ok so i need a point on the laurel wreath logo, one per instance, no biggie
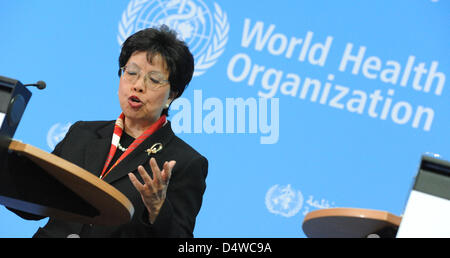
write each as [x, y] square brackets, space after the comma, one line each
[284, 200]
[206, 60]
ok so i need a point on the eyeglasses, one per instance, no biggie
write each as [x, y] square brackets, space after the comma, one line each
[152, 80]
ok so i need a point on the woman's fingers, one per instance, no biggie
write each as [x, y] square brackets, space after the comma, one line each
[155, 170]
[160, 178]
[135, 182]
[167, 170]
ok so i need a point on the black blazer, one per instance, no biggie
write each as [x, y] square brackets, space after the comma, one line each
[87, 144]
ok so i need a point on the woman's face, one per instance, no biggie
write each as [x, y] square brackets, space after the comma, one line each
[140, 102]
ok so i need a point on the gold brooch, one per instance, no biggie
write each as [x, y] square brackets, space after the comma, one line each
[154, 149]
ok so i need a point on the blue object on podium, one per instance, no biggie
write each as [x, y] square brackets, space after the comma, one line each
[14, 98]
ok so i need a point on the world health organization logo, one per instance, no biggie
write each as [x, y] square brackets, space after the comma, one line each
[205, 32]
[284, 200]
[57, 133]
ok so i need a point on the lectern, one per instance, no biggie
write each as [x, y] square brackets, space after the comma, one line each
[14, 98]
[37, 184]
[427, 210]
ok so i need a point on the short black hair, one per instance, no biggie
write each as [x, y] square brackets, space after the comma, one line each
[175, 53]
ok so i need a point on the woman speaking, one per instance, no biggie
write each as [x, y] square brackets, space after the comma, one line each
[166, 188]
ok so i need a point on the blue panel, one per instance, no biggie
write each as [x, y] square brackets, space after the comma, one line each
[298, 105]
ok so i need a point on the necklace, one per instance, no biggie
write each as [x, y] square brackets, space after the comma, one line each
[121, 148]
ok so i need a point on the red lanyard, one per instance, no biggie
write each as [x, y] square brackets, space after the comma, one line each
[118, 129]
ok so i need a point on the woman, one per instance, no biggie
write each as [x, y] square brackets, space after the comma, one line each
[166, 189]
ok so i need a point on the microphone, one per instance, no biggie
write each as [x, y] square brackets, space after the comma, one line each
[40, 85]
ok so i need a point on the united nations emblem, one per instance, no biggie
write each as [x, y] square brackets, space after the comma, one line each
[56, 134]
[284, 200]
[205, 32]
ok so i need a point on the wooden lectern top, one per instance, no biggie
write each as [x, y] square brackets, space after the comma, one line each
[113, 207]
[348, 222]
